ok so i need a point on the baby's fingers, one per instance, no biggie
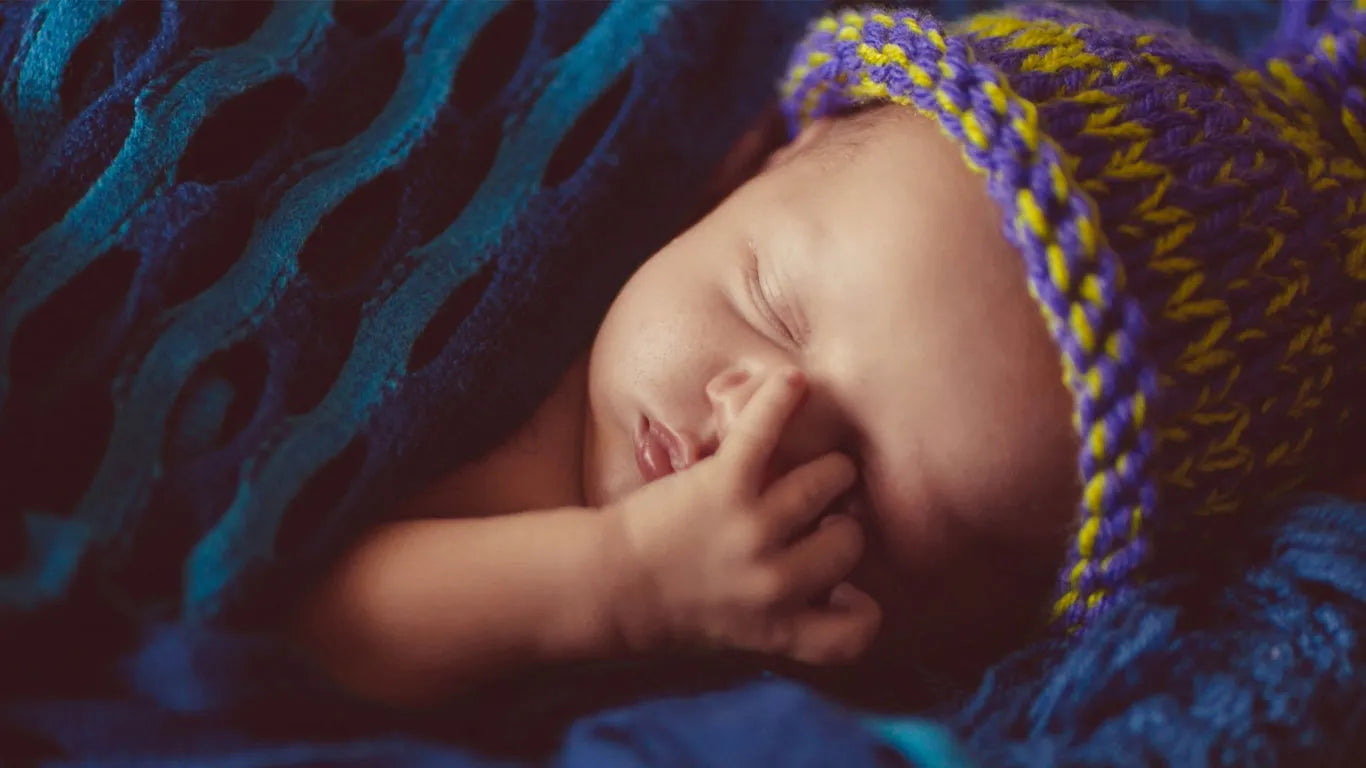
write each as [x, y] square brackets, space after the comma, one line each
[750, 443]
[839, 633]
[796, 499]
[816, 563]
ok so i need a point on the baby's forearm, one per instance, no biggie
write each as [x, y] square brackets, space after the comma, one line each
[421, 607]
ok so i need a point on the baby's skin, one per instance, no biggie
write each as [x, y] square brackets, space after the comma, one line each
[827, 413]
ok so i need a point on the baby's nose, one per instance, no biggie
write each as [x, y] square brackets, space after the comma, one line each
[727, 392]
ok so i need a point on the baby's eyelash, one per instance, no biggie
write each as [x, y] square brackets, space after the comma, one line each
[761, 300]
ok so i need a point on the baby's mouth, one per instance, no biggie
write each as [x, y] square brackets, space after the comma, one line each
[653, 456]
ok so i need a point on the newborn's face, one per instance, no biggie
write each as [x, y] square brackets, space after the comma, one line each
[868, 255]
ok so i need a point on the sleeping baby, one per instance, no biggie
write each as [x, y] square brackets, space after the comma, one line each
[1024, 307]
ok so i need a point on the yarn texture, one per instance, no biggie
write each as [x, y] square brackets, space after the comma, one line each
[1257, 658]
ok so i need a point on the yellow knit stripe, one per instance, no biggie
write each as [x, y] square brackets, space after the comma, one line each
[1295, 88]
[988, 25]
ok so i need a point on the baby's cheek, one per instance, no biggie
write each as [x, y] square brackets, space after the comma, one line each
[936, 516]
[1013, 472]
[963, 601]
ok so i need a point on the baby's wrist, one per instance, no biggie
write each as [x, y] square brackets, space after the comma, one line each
[636, 624]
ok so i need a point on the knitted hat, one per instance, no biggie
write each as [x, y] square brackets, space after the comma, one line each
[1194, 232]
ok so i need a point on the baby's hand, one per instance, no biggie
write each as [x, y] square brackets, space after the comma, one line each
[720, 561]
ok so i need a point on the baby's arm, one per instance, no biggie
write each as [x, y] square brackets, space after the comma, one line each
[711, 557]
[421, 606]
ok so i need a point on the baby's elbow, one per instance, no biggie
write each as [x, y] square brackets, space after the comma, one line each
[347, 636]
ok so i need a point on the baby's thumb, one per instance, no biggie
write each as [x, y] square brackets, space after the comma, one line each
[840, 632]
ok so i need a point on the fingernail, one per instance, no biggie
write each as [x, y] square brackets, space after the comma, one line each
[842, 596]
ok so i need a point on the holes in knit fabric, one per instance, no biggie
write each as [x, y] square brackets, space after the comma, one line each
[9, 154]
[330, 339]
[218, 243]
[347, 242]
[60, 412]
[60, 440]
[458, 182]
[219, 400]
[155, 569]
[578, 143]
[239, 131]
[106, 53]
[353, 99]
[64, 324]
[448, 318]
[566, 23]
[224, 24]
[318, 498]
[493, 58]
[365, 17]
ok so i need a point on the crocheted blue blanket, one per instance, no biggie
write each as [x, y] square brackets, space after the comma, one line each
[266, 267]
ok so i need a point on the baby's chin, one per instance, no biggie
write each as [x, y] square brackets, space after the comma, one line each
[600, 494]
[603, 481]
[610, 483]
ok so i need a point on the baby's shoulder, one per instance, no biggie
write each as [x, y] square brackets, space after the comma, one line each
[537, 467]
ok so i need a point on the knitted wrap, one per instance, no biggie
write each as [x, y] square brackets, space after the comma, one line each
[1194, 233]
